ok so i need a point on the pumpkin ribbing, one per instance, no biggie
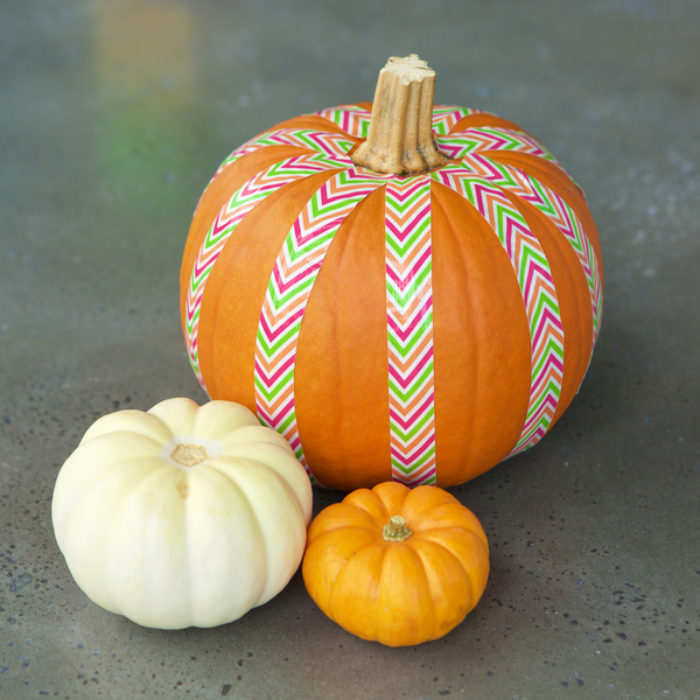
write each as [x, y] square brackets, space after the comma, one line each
[385, 306]
[403, 588]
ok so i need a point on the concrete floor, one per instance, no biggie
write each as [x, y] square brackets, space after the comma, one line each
[113, 116]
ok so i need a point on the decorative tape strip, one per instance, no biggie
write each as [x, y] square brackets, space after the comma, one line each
[330, 143]
[446, 116]
[241, 203]
[288, 291]
[490, 138]
[539, 295]
[409, 296]
[554, 207]
[352, 119]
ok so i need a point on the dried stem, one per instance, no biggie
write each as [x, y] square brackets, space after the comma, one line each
[400, 138]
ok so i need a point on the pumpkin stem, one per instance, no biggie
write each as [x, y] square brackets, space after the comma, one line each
[396, 530]
[400, 137]
[188, 455]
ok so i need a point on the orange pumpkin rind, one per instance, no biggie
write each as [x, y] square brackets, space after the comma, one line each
[411, 587]
[447, 315]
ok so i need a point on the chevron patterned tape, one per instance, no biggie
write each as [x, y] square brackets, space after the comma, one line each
[489, 138]
[410, 330]
[537, 288]
[329, 154]
[330, 143]
[553, 206]
[250, 146]
[446, 116]
[288, 291]
[352, 119]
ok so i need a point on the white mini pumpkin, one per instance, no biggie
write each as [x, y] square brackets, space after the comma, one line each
[183, 515]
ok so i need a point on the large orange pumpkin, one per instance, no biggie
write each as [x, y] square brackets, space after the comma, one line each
[404, 291]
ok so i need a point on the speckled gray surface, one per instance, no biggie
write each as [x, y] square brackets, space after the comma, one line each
[114, 116]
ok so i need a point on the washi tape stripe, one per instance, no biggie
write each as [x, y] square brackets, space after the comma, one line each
[329, 153]
[446, 116]
[352, 119]
[534, 278]
[291, 283]
[331, 144]
[555, 208]
[489, 138]
[409, 295]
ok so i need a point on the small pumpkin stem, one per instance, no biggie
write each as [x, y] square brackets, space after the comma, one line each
[396, 530]
[400, 137]
[188, 455]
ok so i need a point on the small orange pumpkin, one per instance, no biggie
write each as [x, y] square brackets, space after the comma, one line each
[412, 294]
[396, 565]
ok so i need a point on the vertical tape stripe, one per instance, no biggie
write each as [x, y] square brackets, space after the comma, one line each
[472, 148]
[409, 295]
[534, 277]
[290, 286]
[328, 151]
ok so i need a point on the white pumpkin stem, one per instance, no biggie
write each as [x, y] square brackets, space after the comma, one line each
[189, 455]
[400, 137]
[396, 530]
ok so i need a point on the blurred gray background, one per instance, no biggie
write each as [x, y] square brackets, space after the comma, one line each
[114, 115]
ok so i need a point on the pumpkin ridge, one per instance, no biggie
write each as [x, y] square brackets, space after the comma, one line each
[87, 486]
[128, 435]
[271, 473]
[523, 187]
[231, 466]
[218, 420]
[478, 118]
[187, 524]
[428, 534]
[533, 274]
[360, 499]
[465, 570]
[224, 323]
[559, 181]
[391, 597]
[215, 196]
[423, 500]
[392, 496]
[90, 486]
[212, 491]
[366, 529]
[494, 374]
[222, 466]
[578, 312]
[141, 485]
[458, 516]
[264, 184]
[340, 371]
[341, 599]
[293, 276]
[315, 121]
[323, 532]
[129, 421]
